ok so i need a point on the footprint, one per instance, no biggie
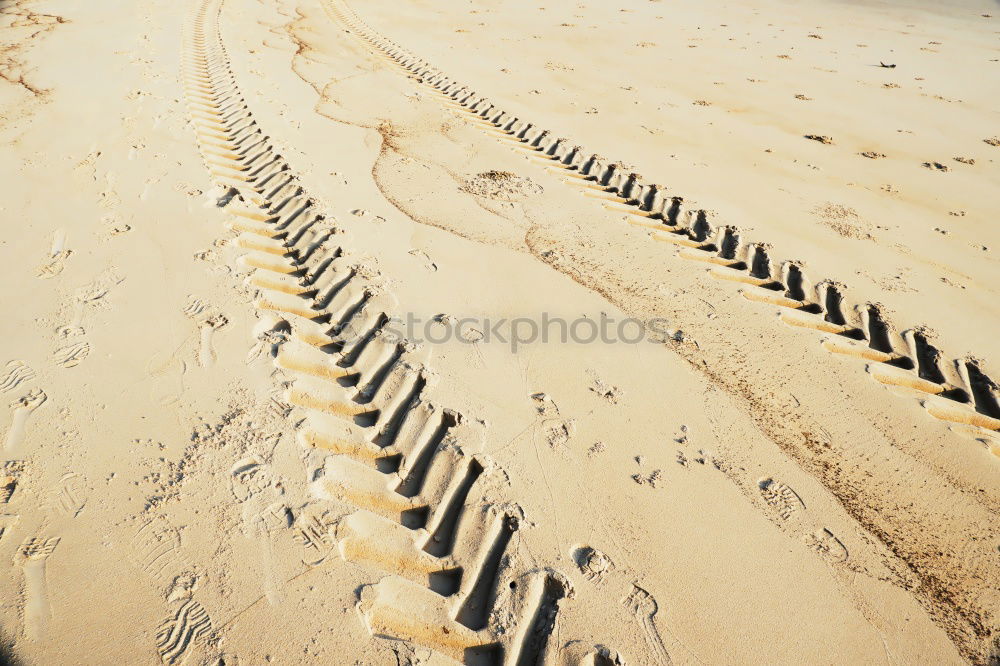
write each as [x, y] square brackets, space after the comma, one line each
[23, 408]
[558, 432]
[71, 495]
[249, 477]
[156, 548]
[313, 531]
[653, 479]
[593, 564]
[428, 264]
[74, 328]
[194, 307]
[781, 498]
[109, 196]
[16, 373]
[113, 226]
[826, 544]
[612, 394]
[208, 255]
[277, 404]
[206, 355]
[96, 293]
[407, 654]
[276, 516]
[545, 405]
[578, 653]
[189, 626]
[249, 480]
[53, 266]
[7, 522]
[267, 344]
[58, 242]
[182, 587]
[167, 374]
[642, 604]
[55, 262]
[787, 505]
[72, 355]
[12, 469]
[37, 611]
[70, 331]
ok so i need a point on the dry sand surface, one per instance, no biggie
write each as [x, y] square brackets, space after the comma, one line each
[225, 443]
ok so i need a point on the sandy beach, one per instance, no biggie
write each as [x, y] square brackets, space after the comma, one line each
[419, 333]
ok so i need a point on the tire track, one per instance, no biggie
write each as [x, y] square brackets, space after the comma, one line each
[955, 390]
[427, 510]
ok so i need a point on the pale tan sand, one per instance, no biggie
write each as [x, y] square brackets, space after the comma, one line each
[198, 470]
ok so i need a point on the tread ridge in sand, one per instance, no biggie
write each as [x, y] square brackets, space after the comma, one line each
[953, 390]
[426, 506]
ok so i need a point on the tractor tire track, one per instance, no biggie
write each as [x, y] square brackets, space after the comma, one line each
[427, 508]
[956, 390]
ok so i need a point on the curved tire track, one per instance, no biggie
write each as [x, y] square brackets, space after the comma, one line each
[427, 510]
[954, 390]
